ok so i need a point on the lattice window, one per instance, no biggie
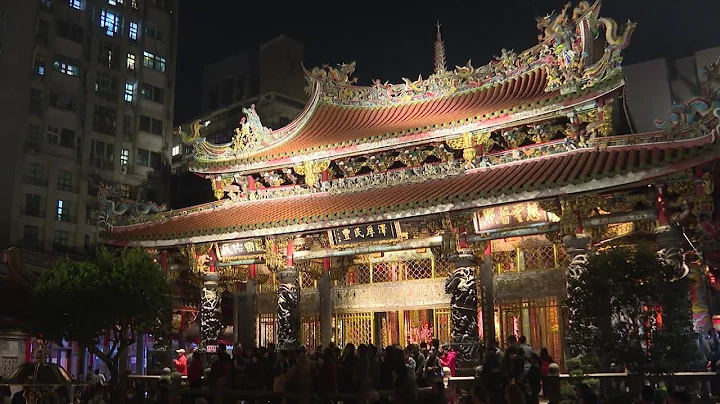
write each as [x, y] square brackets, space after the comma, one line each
[443, 267]
[306, 281]
[270, 285]
[534, 258]
[417, 269]
[357, 274]
[442, 325]
[562, 256]
[386, 272]
[266, 329]
[356, 328]
[8, 365]
[310, 331]
[504, 261]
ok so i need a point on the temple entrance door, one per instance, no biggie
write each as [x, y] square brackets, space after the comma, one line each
[266, 329]
[536, 319]
[414, 326]
[310, 331]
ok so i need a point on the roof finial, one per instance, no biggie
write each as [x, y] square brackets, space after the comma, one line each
[439, 52]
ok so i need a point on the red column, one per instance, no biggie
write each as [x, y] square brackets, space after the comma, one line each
[252, 270]
[462, 237]
[290, 251]
[164, 261]
[326, 263]
[251, 183]
[213, 260]
[324, 176]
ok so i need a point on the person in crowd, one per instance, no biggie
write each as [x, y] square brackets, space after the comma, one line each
[514, 394]
[195, 370]
[679, 397]
[448, 358]
[181, 362]
[478, 394]
[513, 364]
[647, 395]
[131, 396]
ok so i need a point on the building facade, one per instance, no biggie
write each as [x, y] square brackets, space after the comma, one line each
[87, 101]
[453, 207]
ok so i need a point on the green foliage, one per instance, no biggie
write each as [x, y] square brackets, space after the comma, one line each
[577, 368]
[614, 309]
[118, 293]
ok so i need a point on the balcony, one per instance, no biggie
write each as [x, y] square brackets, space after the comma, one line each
[102, 163]
[32, 212]
[40, 182]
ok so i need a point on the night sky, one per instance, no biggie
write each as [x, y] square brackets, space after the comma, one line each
[392, 39]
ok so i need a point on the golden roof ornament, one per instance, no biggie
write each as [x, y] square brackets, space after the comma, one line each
[440, 66]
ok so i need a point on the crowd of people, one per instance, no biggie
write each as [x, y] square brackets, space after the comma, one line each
[513, 376]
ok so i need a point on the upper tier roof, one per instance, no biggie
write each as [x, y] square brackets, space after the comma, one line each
[342, 118]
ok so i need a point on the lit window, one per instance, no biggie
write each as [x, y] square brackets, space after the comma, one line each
[63, 211]
[143, 157]
[124, 157]
[129, 91]
[133, 32]
[53, 134]
[111, 22]
[76, 4]
[135, 4]
[130, 61]
[115, 2]
[40, 64]
[125, 190]
[66, 67]
[176, 150]
[153, 61]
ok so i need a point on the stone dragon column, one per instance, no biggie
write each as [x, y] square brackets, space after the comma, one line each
[288, 308]
[210, 311]
[461, 285]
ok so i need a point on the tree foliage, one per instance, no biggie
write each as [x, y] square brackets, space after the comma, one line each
[118, 295]
[630, 310]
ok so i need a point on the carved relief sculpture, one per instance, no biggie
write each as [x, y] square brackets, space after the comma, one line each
[288, 308]
[210, 324]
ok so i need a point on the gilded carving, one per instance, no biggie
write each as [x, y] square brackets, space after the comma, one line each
[530, 284]
[404, 295]
[312, 170]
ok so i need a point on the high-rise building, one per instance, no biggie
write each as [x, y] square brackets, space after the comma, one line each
[88, 90]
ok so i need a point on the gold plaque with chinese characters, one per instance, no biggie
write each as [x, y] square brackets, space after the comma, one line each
[365, 234]
[511, 216]
[239, 249]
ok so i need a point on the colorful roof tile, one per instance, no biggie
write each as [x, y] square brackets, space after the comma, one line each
[574, 171]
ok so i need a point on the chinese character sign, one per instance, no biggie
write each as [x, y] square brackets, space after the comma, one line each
[365, 233]
[516, 215]
[238, 249]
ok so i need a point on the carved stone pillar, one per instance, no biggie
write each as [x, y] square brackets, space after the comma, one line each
[670, 240]
[210, 320]
[288, 308]
[578, 249]
[461, 285]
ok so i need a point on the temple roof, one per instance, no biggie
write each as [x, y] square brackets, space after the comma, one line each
[342, 118]
[573, 171]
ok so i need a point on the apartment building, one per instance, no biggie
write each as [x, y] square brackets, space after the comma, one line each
[88, 90]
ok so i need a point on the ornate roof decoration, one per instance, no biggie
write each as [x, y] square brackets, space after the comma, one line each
[563, 65]
[574, 171]
[115, 208]
[439, 52]
[694, 112]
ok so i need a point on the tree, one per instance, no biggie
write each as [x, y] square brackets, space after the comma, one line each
[118, 294]
[629, 309]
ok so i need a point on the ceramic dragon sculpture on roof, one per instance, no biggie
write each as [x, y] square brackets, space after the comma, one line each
[114, 206]
[566, 50]
[697, 110]
[250, 136]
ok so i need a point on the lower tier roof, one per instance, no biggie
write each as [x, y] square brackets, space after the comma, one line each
[575, 171]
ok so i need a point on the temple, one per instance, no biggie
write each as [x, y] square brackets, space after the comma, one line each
[450, 207]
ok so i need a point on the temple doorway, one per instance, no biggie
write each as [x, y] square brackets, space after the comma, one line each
[414, 326]
[537, 319]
